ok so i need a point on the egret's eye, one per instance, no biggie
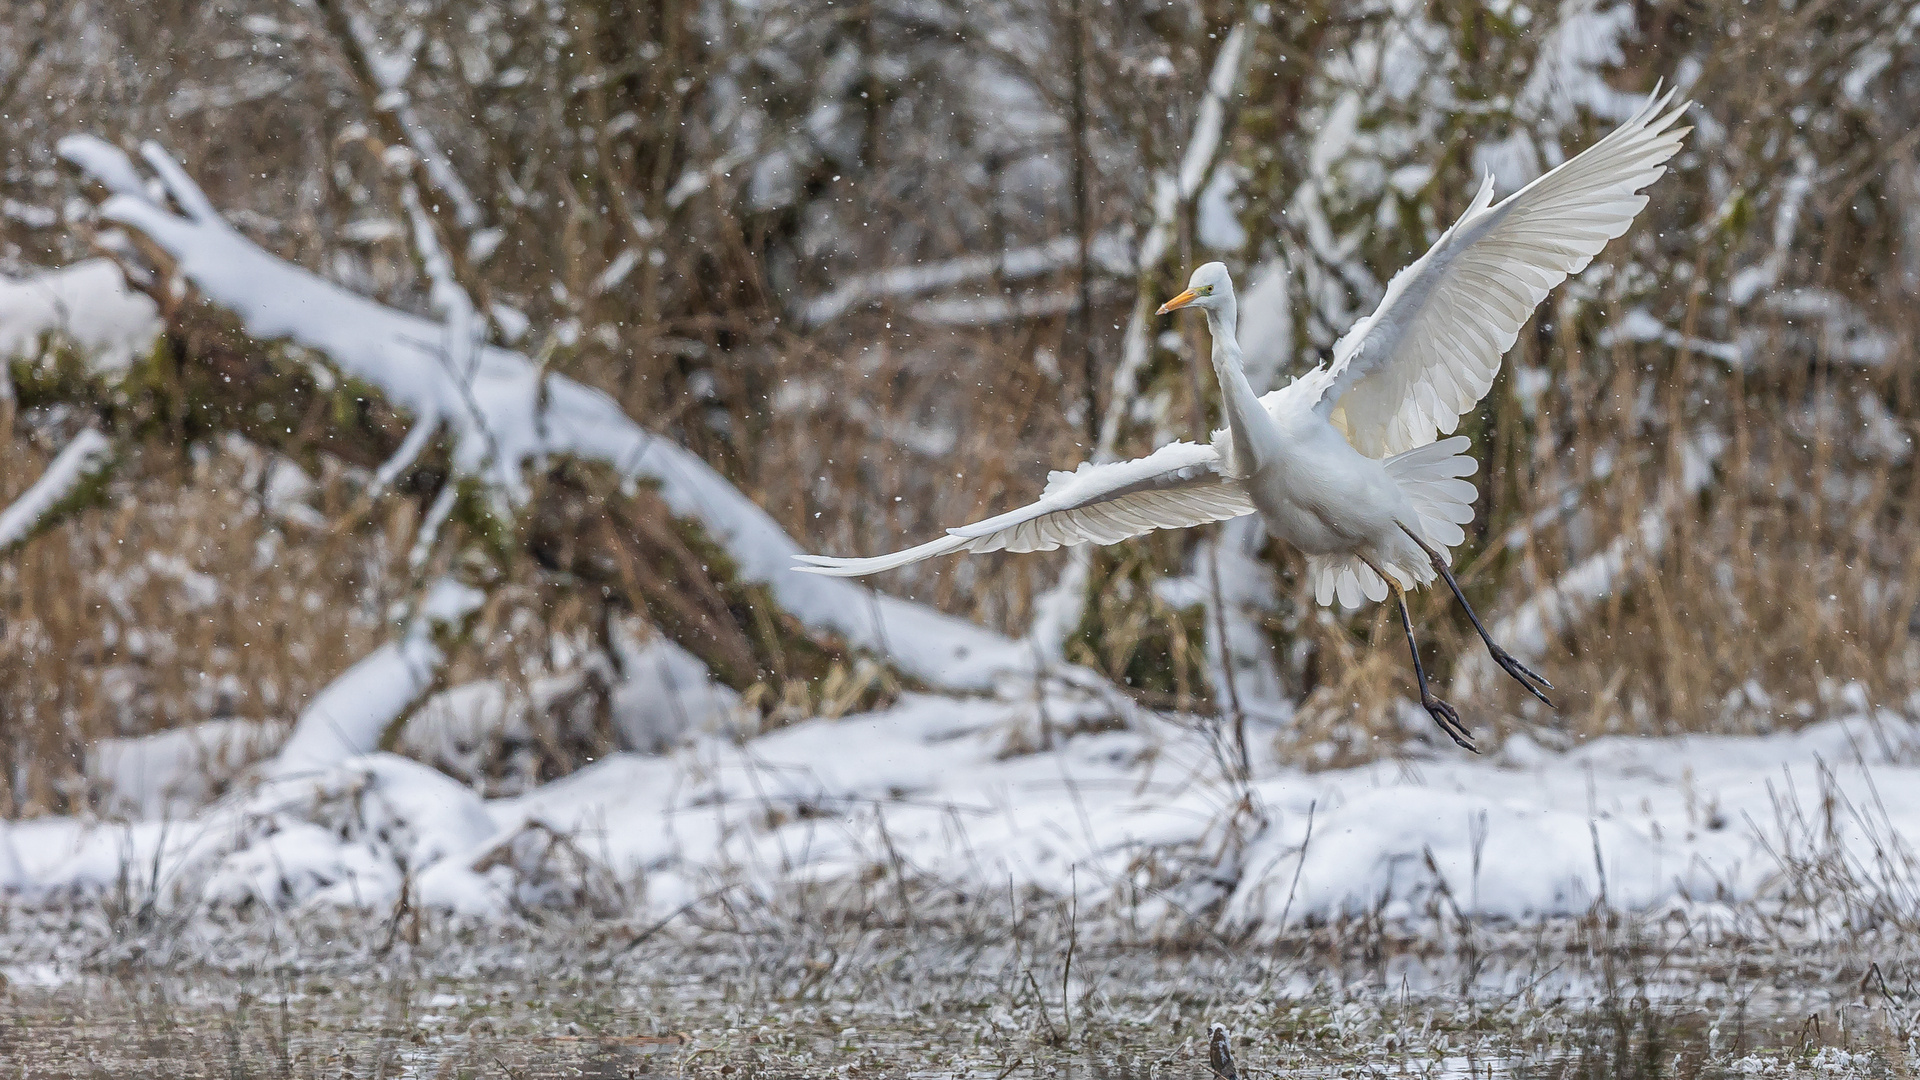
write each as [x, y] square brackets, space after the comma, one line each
[1204, 290]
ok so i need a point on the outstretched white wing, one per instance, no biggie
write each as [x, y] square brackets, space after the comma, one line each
[1429, 353]
[1175, 487]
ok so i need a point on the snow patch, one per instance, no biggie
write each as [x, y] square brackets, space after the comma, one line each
[936, 784]
[171, 773]
[87, 305]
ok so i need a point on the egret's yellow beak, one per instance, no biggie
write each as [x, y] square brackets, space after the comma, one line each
[1178, 302]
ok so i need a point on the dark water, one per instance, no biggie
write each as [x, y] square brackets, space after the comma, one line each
[663, 1023]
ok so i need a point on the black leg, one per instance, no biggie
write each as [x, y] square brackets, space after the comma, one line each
[1441, 712]
[1521, 673]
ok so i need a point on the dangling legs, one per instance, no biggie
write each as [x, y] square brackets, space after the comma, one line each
[1441, 712]
[1520, 672]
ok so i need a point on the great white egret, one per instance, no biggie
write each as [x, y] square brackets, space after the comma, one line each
[1342, 463]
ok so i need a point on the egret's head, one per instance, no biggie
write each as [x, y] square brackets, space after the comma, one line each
[1209, 288]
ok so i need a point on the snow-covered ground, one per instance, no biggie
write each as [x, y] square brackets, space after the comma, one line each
[951, 791]
[1000, 778]
[1019, 770]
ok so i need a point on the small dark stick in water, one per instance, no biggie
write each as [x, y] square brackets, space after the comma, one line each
[1220, 1053]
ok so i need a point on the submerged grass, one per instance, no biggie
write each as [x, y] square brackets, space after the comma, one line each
[743, 991]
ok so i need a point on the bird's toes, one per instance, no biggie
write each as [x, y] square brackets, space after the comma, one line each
[1532, 675]
[1521, 673]
[1526, 677]
[1538, 695]
[1449, 721]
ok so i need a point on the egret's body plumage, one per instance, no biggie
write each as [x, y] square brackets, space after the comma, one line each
[1306, 480]
[1343, 462]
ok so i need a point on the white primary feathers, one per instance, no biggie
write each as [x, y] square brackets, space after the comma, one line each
[1342, 463]
[1175, 487]
[1429, 352]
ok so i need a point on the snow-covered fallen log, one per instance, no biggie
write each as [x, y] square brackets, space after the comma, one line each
[352, 833]
[13, 873]
[495, 735]
[502, 415]
[172, 773]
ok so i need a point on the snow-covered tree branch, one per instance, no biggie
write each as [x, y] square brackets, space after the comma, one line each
[504, 417]
[71, 481]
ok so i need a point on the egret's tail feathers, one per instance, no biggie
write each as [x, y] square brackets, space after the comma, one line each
[1431, 476]
[1347, 578]
[833, 567]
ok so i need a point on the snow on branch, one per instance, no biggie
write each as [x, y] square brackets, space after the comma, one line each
[1011, 265]
[503, 414]
[83, 464]
[1060, 609]
[86, 305]
[1203, 149]
[1172, 193]
[348, 718]
[384, 76]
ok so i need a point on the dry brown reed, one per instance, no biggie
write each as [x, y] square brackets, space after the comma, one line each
[183, 601]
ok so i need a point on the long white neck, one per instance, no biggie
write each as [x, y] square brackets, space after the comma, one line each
[1256, 440]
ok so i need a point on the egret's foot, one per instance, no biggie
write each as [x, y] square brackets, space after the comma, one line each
[1521, 673]
[1449, 720]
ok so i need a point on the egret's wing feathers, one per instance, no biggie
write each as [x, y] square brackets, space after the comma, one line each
[833, 567]
[1428, 354]
[1175, 487]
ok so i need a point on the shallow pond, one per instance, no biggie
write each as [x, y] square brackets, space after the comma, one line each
[680, 1014]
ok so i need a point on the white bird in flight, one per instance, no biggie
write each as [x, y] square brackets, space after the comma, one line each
[1342, 463]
